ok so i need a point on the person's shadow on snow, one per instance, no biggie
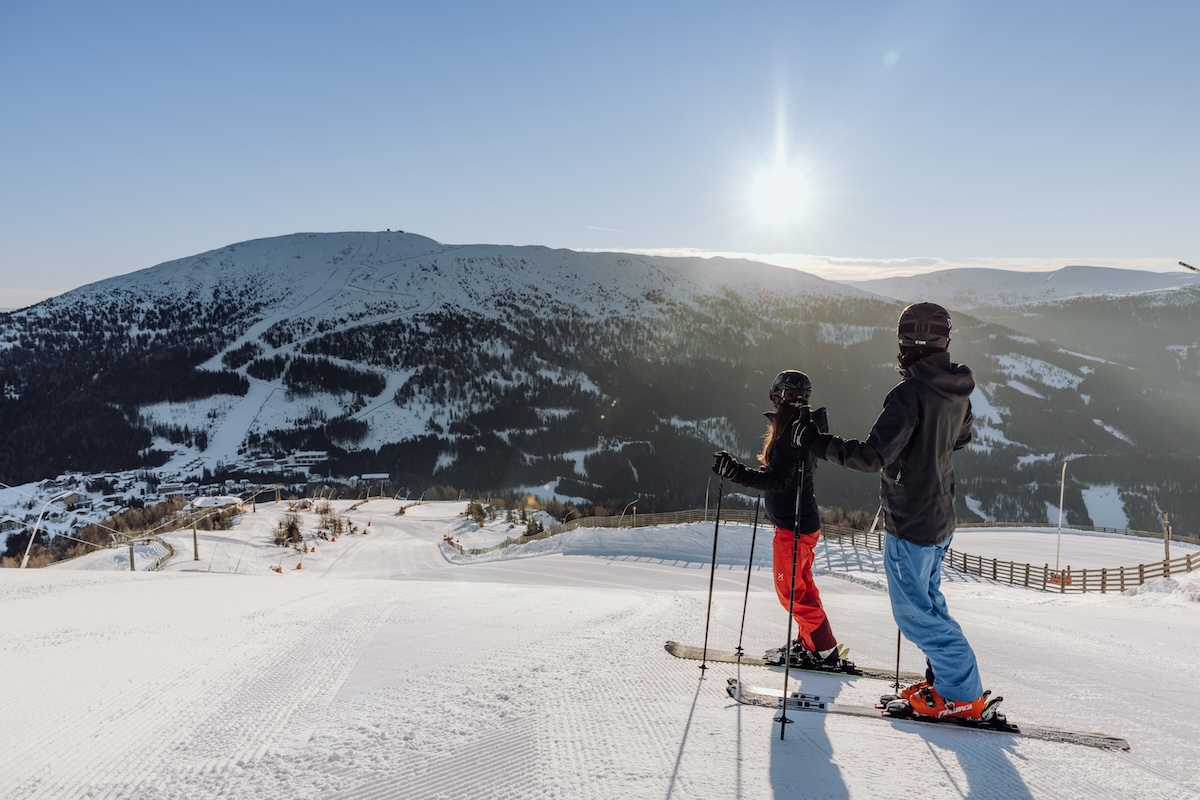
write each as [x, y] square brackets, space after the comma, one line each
[984, 761]
[939, 760]
[803, 764]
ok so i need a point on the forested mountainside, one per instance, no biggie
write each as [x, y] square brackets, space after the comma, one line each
[605, 376]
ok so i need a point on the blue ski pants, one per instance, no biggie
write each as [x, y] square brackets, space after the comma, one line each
[914, 584]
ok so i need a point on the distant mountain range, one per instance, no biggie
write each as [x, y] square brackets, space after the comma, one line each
[604, 376]
[970, 289]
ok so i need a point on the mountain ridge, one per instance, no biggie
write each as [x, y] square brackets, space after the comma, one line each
[604, 374]
[987, 287]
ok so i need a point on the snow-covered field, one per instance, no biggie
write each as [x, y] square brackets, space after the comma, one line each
[387, 666]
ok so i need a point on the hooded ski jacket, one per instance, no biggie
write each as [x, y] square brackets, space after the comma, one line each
[925, 418]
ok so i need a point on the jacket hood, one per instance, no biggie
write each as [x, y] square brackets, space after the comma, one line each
[944, 377]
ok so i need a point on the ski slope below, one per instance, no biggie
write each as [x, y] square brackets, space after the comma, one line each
[387, 666]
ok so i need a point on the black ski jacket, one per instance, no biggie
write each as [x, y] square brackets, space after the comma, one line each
[925, 418]
[778, 483]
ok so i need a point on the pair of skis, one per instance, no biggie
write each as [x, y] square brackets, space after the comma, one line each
[800, 701]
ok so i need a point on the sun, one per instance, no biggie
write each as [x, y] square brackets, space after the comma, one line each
[779, 194]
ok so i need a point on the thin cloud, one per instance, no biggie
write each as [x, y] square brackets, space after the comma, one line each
[612, 230]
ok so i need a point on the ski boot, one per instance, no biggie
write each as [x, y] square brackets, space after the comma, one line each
[834, 661]
[776, 655]
[922, 701]
[801, 657]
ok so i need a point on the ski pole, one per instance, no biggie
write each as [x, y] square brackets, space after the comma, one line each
[749, 569]
[712, 575]
[897, 683]
[782, 719]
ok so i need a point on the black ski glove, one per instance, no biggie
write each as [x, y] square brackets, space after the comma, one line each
[809, 432]
[804, 434]
[727, 466]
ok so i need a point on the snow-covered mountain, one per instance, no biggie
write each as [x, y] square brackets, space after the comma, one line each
[606, 376]
[973, 289]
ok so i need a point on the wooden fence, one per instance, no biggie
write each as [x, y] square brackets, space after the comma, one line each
[1175, 537]
[1042, 578]
[1030, 576]
[1107, 579]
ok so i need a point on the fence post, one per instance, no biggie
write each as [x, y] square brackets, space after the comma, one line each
[1026, 576]
[1085, 580]
[1141, 574]
[1045, 575]
[1104, 580]
[1166, 544]
[1062, 581]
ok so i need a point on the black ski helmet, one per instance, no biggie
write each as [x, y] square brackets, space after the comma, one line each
[791, 386]
[924, 325]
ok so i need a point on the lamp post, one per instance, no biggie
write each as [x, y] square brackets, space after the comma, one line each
[36, 525]
[622, 519]
[1062, 488]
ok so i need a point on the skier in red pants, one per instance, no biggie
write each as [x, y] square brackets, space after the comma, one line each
[816, 647]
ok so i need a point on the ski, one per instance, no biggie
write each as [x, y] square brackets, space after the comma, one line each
[694, 653]
[771, 698]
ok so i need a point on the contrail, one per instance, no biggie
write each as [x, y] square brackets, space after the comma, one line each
[612, 230]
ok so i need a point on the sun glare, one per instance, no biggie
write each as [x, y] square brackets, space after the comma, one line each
[779, 195]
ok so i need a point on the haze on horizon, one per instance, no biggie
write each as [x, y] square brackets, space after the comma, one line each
[851, 142]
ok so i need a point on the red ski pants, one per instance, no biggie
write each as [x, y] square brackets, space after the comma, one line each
[810, 617]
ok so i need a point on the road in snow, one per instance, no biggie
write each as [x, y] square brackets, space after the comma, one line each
[381, 669]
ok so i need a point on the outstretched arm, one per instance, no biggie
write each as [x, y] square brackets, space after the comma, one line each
[768, 480]
[883, 445]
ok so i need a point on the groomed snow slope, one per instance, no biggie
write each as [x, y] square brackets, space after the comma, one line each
[382, 670]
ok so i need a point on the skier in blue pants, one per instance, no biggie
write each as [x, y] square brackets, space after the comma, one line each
[925, 419]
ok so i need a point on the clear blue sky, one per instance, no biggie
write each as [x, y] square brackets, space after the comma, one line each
[135, 133]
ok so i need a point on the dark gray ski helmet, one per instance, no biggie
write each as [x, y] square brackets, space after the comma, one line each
[924, 325]
[791, 386]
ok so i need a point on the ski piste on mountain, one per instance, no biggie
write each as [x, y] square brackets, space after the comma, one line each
[696, 653]
[798, 701]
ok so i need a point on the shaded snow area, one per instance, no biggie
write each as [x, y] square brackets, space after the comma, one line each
[988, 419]
[1034, 370]
[1105, 507]
[380, 669]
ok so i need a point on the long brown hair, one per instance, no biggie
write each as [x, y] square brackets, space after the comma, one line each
[780, 424]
